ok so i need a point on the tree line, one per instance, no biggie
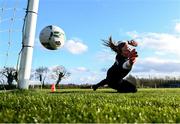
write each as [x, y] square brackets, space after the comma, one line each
[9, 76]
[155, 82]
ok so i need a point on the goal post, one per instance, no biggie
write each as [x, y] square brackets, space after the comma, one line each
[28, 39]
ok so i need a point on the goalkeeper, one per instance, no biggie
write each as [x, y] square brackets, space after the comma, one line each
[125, 59]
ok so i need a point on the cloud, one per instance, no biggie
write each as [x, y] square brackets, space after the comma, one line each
[76, 47]
[159, 42]
[177, 27]
[153, 64]
[158, 52]
[56, 67]
[105, 55]
[92, 77]
[88, 79]
[79, 70]
[83, 75]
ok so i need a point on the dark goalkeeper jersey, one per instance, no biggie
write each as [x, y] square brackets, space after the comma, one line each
[117, 72]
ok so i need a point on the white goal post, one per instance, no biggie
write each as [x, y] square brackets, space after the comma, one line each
[27, 44]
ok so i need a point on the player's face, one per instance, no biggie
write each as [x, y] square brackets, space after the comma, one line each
[125, 50]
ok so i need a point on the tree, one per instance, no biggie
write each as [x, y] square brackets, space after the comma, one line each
[60, 72]
[10, 73]
[41, 74]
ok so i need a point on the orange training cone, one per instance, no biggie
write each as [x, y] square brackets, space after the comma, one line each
[53, 88]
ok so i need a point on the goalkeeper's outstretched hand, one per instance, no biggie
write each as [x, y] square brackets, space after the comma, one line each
[132, 56]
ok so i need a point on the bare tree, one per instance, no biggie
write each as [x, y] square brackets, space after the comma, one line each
[60, 72]
[10, 73]
[41, 74]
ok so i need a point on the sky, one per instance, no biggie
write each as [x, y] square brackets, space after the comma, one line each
[154, 24]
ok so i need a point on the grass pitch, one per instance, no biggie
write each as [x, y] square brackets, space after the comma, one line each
[87, 106]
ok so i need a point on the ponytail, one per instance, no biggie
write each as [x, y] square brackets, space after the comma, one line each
[111, 44]
[116, 47]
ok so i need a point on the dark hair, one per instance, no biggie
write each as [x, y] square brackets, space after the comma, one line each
[116, 47]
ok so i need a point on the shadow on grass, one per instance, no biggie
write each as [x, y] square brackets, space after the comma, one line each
[83, 91]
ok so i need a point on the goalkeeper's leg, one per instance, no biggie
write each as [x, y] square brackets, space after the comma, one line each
[102, 83]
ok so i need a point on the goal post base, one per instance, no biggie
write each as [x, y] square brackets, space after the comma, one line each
[24, 84]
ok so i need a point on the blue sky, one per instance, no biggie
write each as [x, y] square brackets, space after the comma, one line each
[155, 24]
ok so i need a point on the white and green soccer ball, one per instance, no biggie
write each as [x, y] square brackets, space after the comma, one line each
[52, 37]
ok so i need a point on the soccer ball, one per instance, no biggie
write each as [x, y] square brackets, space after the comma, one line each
[52, 37]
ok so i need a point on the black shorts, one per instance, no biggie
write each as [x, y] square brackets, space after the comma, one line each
[123, 86]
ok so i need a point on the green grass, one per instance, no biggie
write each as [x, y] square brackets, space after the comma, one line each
[102, 106]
